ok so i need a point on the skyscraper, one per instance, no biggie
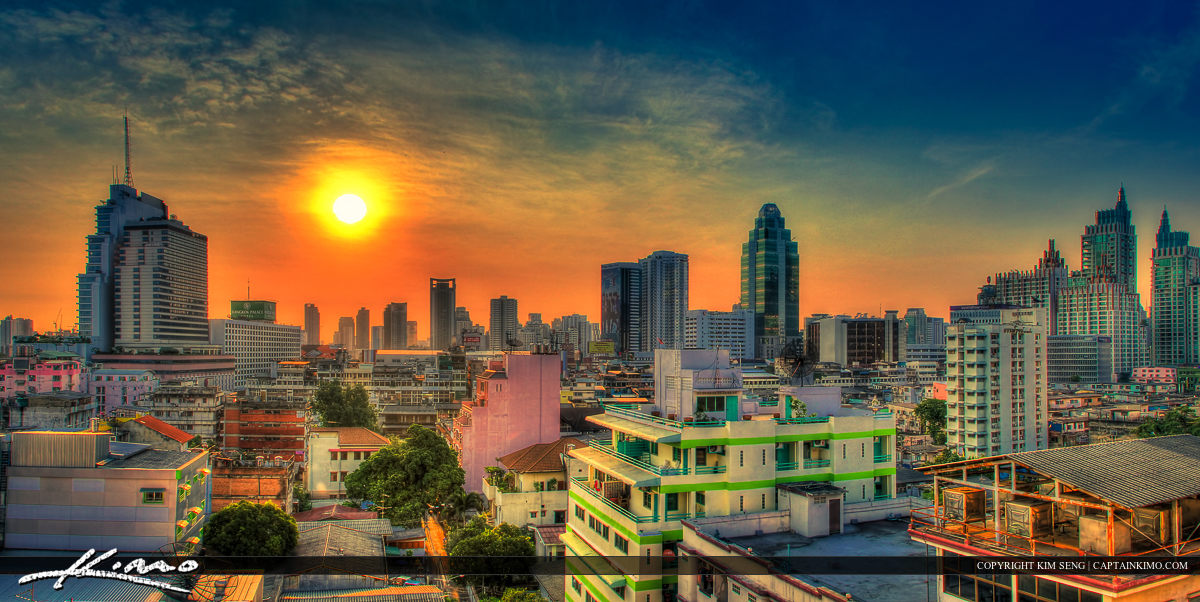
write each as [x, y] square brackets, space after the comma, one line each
[362, 329]
[345, 332]
[771, 282]
[664, 300]
[1102, 299]
[1039, 287]
[312, 324]
[504, 323]
[1176, 267]
[395, 326]
[621, 305]
[441, 313]
[412, 333]
[11, 327]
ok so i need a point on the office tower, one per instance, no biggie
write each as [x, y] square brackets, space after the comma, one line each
[916, 326]
[1039, 287]
[664, 300]
[857, 341]
[732, 331]
[621, 305]
[1102, 298]
[345, 333]
[996, 385]
[1078, 359]
[441, 313]
[1176, 267]
[145, 284]
[771, 282]
[376, 337]
[10, 328]
[503, 325]
[395, 326]
[362, 329]
[412, 333]
[255, 341]
[312, 325]
[462, 320]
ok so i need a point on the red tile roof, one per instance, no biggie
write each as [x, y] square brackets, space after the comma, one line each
[163, 428]
[334, 512]
[540, 457]
[354, 435]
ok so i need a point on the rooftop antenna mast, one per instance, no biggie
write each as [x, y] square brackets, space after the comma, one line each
[128, 171]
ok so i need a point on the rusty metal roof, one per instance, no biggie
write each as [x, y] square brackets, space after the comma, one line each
[1134, 473]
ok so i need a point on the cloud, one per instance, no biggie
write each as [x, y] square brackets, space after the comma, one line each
[970, 176]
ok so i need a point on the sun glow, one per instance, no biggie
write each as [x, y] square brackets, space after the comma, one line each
[350, 208]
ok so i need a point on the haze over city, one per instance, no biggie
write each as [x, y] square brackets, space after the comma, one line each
[518, 147]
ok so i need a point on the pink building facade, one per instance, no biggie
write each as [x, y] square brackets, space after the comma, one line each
[114, 389]
[516, 405]
[1154, 374]
[33, 375]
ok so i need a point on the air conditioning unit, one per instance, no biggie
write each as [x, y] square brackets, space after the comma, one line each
[964, 503]
[716, 449]
[1028, 518]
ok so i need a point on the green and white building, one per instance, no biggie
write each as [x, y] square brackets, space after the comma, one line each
[701, 451]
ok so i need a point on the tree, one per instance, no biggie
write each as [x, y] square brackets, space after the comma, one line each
[948, 455]
[513, 594]
[303, 499]
[1179, 421]
[339, 405]
[246, 529]
[408, 477]
[455, 508]
[492, 557]
[932, 414]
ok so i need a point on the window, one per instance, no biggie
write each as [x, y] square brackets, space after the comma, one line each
[764, 457]
[153, 496]
[357, 455]
[647, 500]
[843, 451]
[741, 503]
[700, 498]
[333, 456]
[676, 454]
[533, 514]
[741, 457]
[344, 473]
[345, 455]
[709, 404]
[864, 450]
[672, 502]
[621, 544]
[333, 477]
[560, 516]
[579, 513]
[735, 589]
[764, 501]
[751, 597]
[576, 585]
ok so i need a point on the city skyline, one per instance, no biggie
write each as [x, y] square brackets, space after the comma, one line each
[588, 141]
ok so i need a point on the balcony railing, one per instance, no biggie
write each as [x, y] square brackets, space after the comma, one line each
[583, 485]
[802, 420]
[787, 465]
[710, 469]
[716, 382]
[883, 458]
[883, 496]
[606, 447]
[652, 419]
[816, 463]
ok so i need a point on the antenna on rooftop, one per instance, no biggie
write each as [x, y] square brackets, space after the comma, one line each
[128, 170]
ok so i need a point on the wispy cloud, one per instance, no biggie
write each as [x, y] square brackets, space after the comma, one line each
[970, 176]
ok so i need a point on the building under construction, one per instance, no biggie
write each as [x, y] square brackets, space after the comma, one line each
[1138, 499]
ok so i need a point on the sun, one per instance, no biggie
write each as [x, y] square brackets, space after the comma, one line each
[350, 208]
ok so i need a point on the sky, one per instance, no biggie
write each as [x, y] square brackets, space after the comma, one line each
[914, 150]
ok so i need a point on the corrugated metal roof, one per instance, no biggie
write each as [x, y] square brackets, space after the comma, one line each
[1134, 473]
[374, 526]
[78, 590]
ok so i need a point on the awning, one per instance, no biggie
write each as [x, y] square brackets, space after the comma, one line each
[182, 524]
[649, 432]
[197, 510]
[194, 540]
[626, 472]
[594, 563]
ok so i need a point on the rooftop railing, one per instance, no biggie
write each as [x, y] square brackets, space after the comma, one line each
[583, 485]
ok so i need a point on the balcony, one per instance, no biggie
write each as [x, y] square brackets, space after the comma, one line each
[651, 419]
[882, 458]
[710, 470]
[816, 463]
[606, 447]
[717, 382]
[803, 420]
[594, 496]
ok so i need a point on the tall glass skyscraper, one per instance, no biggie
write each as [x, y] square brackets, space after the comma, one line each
[1176, 267]
[664, 300]
[441, 313]
[621, 305]
[771, 282]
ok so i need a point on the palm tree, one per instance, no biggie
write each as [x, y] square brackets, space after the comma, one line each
[459, 503]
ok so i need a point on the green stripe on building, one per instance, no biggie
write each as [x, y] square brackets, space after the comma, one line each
[765, 483]
[692, 443]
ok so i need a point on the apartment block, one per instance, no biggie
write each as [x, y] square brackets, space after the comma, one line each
[334, 453]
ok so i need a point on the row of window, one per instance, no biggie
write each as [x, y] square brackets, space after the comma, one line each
[342, 455]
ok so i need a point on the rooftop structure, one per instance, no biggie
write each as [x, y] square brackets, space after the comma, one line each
[1131, 498]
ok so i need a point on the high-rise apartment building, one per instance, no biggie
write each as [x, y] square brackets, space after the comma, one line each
[257, 345]
[441, 313]
[664, 300]
[395, 326]
[362, 329]
[503, 324]
[345, 332]
[1102, 298]
[857, 341]
[1176, 267]
[376, 338]
[1039, 287]
[11, 327]
[412, 333]
[996, 385]
[621, 305]
[312, 324]
[732, 331]
[771, 282]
